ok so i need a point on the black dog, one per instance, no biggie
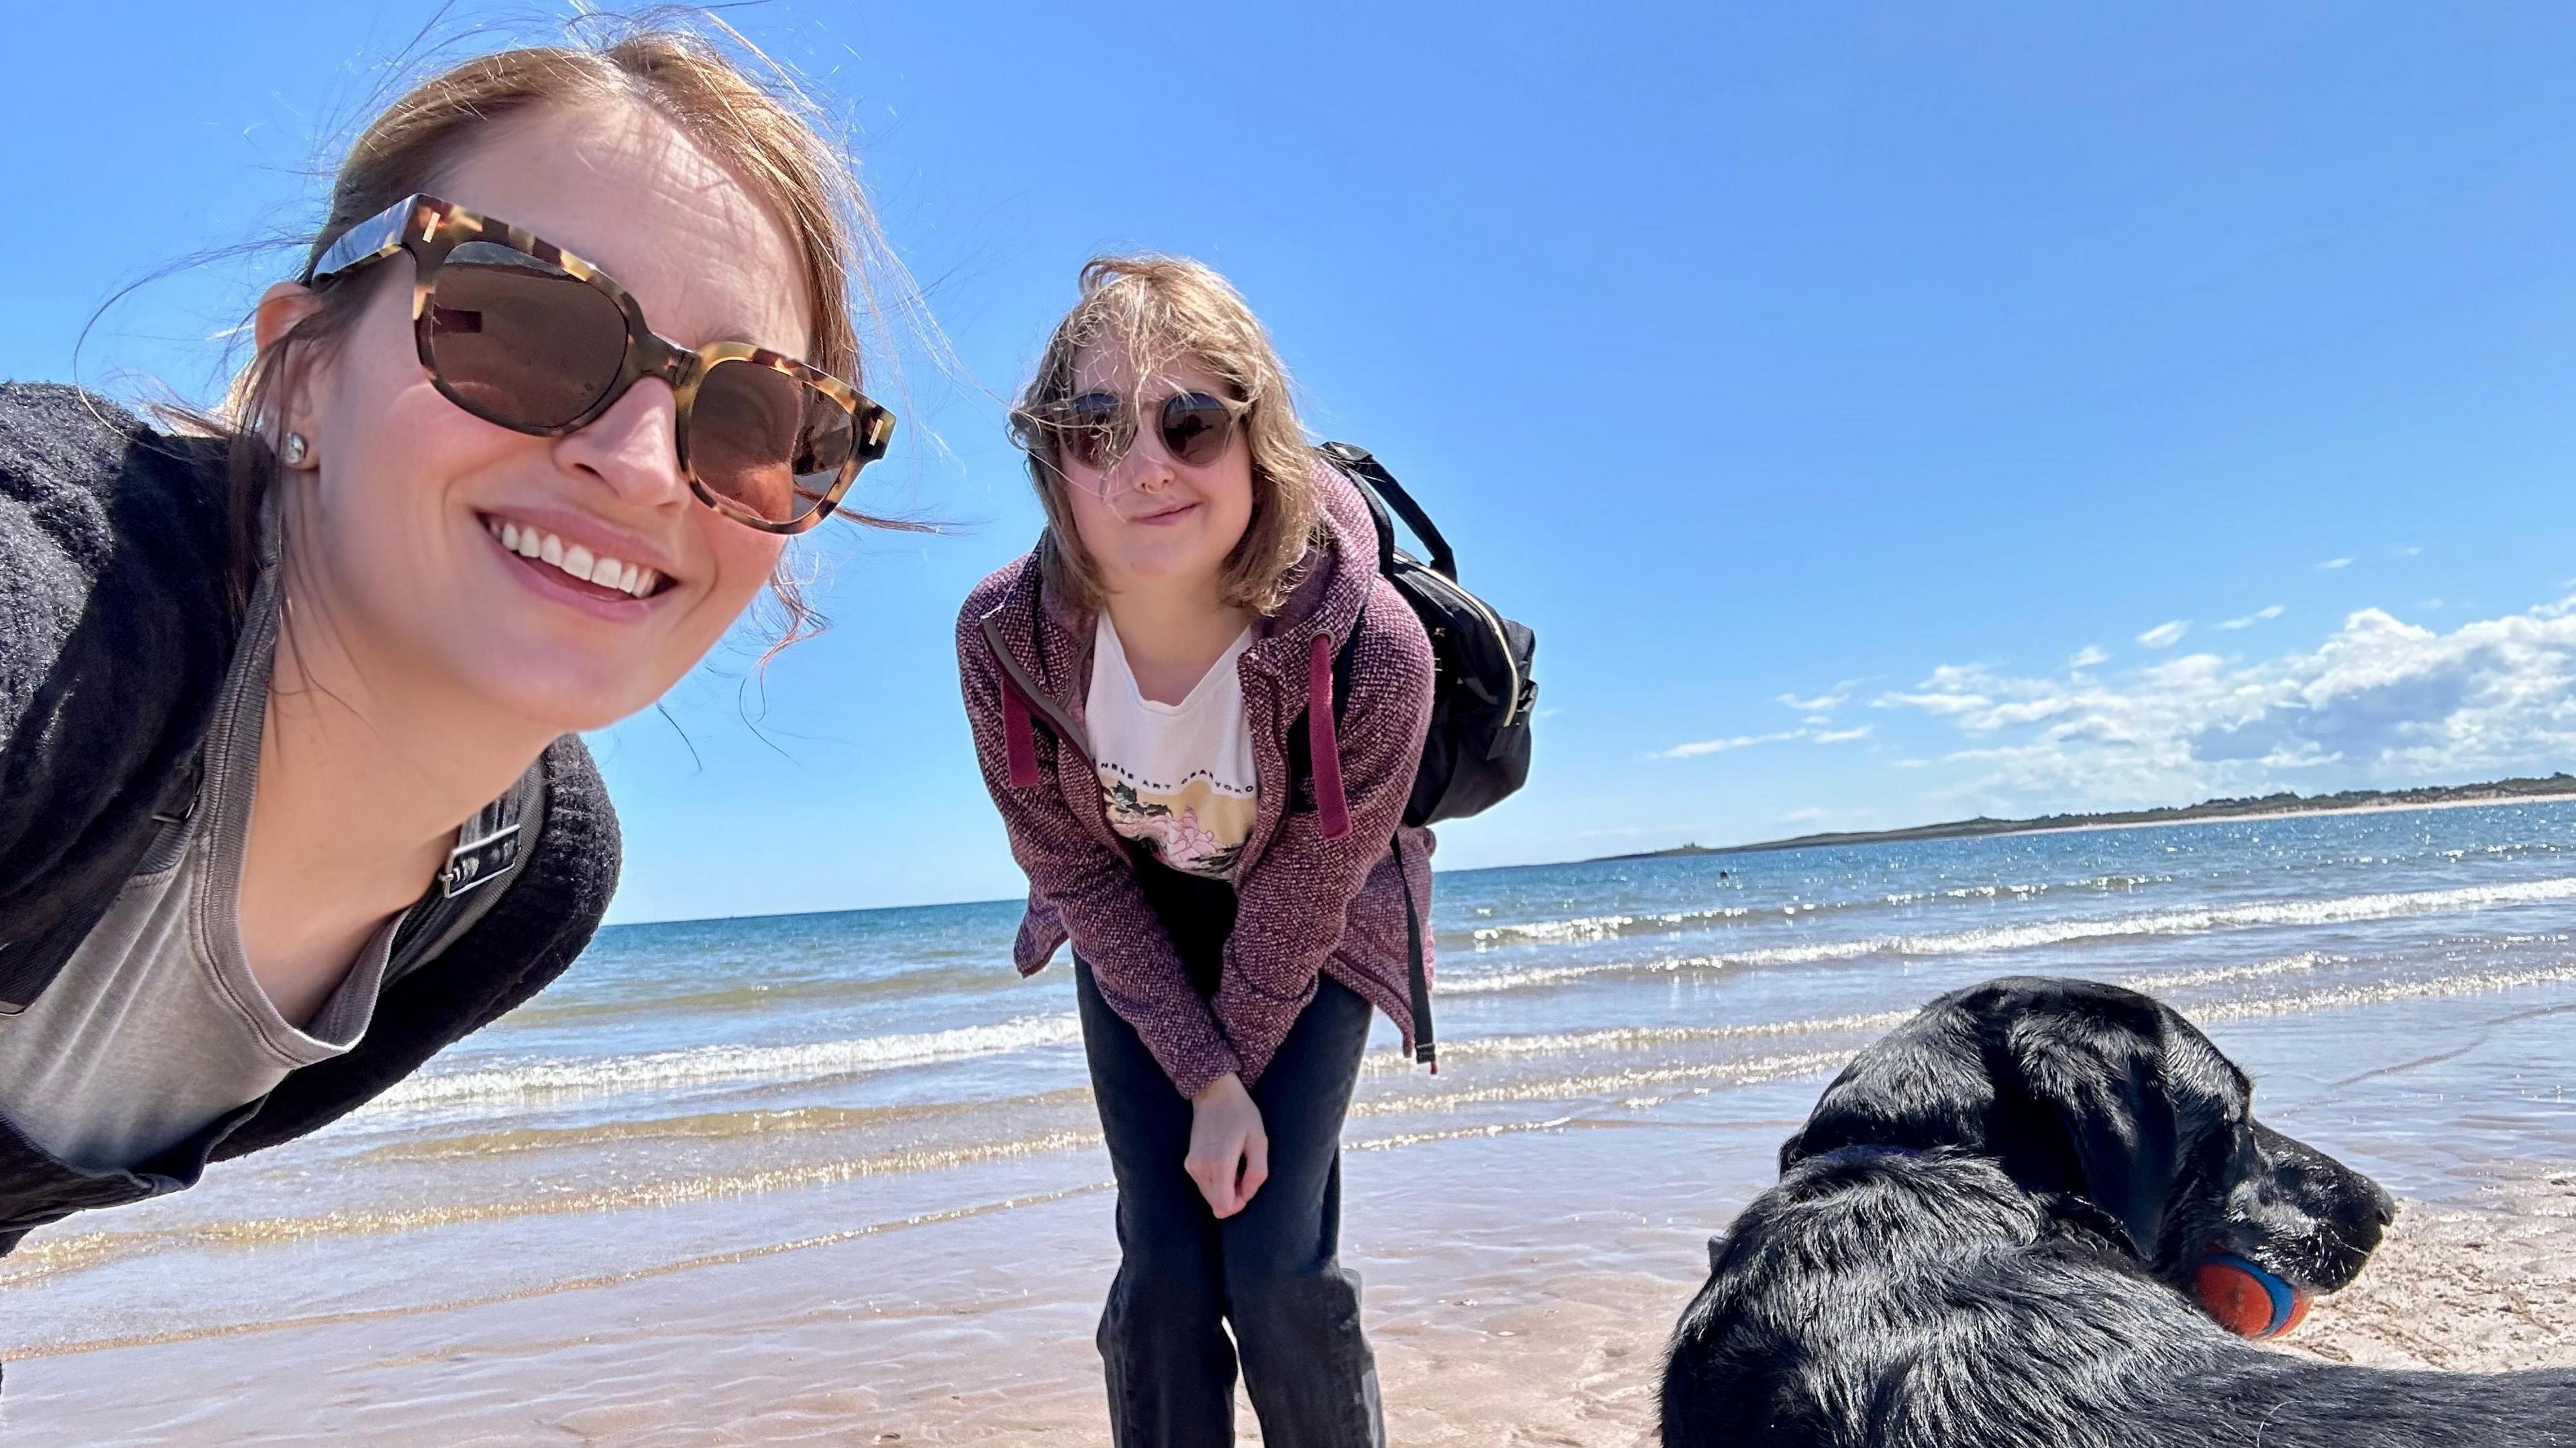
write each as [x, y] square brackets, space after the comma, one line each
[1985, 1235]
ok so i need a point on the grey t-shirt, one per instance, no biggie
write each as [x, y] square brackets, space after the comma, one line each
[155, 1026]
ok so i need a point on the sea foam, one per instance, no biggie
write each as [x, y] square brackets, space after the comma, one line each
[722, 1065]
[2037, 933]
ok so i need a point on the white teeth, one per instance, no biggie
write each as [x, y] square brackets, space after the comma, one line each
[576, 560]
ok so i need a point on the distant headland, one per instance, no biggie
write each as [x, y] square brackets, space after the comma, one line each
[2501, 791]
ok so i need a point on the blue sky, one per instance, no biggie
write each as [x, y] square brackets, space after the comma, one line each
[1884, 413]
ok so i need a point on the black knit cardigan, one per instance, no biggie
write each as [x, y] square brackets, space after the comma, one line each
[115, 637]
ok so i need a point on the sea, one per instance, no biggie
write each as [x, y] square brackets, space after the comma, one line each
[876, 1108]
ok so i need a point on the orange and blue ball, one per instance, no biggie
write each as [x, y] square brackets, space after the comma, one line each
[2246, 1298]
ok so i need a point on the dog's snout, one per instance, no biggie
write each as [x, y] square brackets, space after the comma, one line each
[2386, 1204]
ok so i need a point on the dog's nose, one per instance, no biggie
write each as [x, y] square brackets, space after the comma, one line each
[2386, 1204]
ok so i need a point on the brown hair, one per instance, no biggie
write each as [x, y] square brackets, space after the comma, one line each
[1157, 310]
[766, 132]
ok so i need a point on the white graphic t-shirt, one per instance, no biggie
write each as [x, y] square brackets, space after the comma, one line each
[1176, 776]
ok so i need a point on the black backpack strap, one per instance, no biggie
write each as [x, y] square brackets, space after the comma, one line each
[1384, 492]
[1418, 971]
[1417, 976]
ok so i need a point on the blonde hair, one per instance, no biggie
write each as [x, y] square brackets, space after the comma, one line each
[766, 131]
[1157, 310]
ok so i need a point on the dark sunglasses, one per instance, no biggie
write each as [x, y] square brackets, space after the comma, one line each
[1096, 429]
[521, 333]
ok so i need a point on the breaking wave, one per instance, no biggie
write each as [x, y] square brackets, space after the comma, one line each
[2002, 938]
[723, 1065]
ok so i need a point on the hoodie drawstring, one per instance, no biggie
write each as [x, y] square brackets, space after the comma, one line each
[1323, 744]
[1019, 738]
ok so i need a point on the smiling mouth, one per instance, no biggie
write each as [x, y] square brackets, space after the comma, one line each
[574, 561]
[1167, 514]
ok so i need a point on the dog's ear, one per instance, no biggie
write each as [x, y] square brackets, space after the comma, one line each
[2094, 1066]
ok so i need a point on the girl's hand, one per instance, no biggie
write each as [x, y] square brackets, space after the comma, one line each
[1229, 1152]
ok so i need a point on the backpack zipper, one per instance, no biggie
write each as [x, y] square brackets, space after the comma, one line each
[1512, 706]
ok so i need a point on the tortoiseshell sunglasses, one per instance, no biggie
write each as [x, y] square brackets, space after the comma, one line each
[520, 332]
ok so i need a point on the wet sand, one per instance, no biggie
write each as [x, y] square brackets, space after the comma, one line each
[1493, 1324]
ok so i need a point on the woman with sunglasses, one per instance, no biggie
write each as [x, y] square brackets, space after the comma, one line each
[1199, 709]
[290, 796]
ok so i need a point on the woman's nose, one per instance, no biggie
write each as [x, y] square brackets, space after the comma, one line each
[1146, 467]
[634, 447]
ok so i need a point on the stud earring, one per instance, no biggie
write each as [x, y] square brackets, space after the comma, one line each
[295, 449]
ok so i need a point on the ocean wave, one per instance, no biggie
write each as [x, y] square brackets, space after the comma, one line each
[1585, 929]
[712, 1126]
[2303, 961]
[723, 1065]
[1633, 1038]
[2384, 993]
[2037, 933]
[746, 995]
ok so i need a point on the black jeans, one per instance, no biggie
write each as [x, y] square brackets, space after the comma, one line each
[1269, 1271]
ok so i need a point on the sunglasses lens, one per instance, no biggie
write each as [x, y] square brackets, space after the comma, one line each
[769, 442]
[1196, 428]
[1089, 433]
[519, 341]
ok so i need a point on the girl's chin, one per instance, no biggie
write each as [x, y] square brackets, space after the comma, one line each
[566, 693]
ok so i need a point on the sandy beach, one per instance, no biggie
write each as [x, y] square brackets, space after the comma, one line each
[835, 1179]
[1491, 1330]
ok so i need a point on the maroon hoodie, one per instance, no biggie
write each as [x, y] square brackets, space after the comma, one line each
[1318, 889]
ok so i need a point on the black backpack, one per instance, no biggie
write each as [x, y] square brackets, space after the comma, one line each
[1482, 695]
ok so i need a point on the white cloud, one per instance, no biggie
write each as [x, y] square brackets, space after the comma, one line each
[1798, 816]
[1844, 736]
[2336, 563]
[2411, 552]
[1720, 746]
[2167, 634]
[1948, 691]
[2087, 656]
[1820, 709]
[2380, 702]
[2260, 615]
